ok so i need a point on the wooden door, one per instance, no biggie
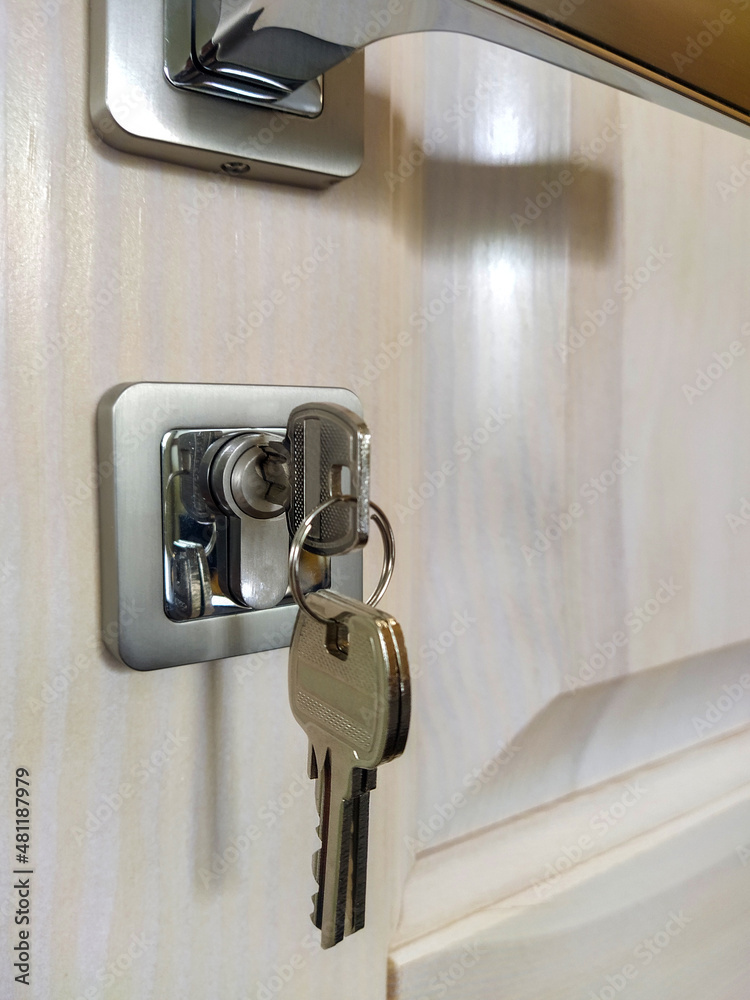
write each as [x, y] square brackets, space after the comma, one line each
[537, 288]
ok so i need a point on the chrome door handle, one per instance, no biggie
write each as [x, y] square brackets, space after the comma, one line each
[261, 62]
[692, 56]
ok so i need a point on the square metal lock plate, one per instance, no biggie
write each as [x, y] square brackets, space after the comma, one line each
[134, 107]
[134, 421]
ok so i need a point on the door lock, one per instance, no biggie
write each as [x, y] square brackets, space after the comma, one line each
[225, 508]
[247, 474]
[243, 494]
[203, 536]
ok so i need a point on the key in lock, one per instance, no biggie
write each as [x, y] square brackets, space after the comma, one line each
[242, 494]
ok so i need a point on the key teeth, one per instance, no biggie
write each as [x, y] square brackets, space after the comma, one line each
[312, 763]
[315, 915]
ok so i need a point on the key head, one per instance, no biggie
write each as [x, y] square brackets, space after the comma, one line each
[191, 446]
[191, 595]
[358, 705]
[330, 449]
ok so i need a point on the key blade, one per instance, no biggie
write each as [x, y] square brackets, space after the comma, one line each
[345, 834]
[340, 830]
[367, 780]
[319, 772]
[336, 836]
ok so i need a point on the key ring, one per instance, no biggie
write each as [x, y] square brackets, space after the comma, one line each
[298, 543]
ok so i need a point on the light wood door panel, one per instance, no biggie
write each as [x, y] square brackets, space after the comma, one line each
[116, 269]
[607, 427]
[670, 921]
[595, 369]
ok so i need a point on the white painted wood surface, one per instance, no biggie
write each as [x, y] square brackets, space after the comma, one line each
[666, 917]
[115, 269]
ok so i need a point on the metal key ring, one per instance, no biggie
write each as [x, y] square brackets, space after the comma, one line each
[298, 543]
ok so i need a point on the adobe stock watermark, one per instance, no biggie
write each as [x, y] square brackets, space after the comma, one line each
[719, 365]
[591, 491]
[565, 10]
[59, 339]
[419, 322]
[84, 489]
[431, 651]
[643, 955]
[624, 291]
[141, 773]
[464, 449]
[743, 853]
[269, 815]
[409, 163]
[67, 675]
[444, 812]
[709, 30]
[635, 621]
[291, 281]
[38, 15]
[251, 664]
[741, 519]
[738, 178]
[731, 695]
[283, 973]
[599, 826]
[108, 975]
[379, 19]
[552, 190]
[441, 984]
[206, 189]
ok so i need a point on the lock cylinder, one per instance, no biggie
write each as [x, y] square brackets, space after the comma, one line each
[247, 474]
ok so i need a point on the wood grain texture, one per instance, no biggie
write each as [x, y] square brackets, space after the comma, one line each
[600, 774]
[629, 269]
[668, 920]
[117, 269]
[644, 180]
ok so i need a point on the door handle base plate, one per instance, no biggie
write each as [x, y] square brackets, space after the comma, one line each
[136, 109]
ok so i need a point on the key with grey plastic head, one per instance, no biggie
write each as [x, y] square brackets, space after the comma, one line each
[330, 450]
[354, 706]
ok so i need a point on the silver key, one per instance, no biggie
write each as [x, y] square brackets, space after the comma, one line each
[191, 595]
[354, 706]
[330, 452]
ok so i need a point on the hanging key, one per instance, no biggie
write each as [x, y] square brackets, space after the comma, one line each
[191, 595]
[330, 456]
[349, 690]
